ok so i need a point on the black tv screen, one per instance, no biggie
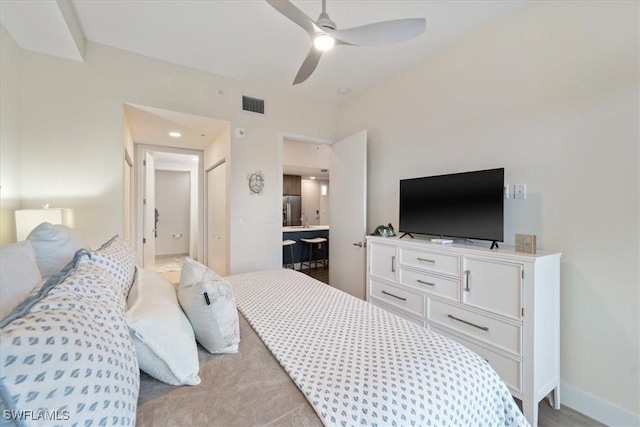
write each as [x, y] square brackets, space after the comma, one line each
[466, 205]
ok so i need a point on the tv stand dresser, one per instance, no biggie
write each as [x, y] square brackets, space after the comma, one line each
[502, 304]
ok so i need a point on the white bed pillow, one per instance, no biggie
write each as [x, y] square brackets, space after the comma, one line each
[210, 305]
[19, 275]
[193, 272]
[55, 246]
[165, 345]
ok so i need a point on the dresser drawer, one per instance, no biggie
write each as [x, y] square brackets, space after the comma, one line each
[399, 313]
[509, 370]
[401, 298]
[431, 261]
[435, 285]
[497, 333]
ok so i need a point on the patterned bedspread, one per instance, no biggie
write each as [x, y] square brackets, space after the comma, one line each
[360, 365]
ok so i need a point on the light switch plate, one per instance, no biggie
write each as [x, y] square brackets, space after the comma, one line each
[520, 191]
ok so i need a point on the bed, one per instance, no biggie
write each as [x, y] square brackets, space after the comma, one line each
[313, 355]
[72, 349]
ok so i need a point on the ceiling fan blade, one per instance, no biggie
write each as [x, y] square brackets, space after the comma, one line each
[381, 33]
[308, 66]
[296, 15]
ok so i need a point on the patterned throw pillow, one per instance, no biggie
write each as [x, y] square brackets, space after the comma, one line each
[165, 345]
[68, 358]
[210, 305]
[119, 259]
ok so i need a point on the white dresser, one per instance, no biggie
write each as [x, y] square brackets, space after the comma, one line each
[502, 304]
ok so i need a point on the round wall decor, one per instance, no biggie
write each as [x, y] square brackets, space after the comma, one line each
[256, 182]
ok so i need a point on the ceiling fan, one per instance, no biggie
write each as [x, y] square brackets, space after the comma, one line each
[325, 34]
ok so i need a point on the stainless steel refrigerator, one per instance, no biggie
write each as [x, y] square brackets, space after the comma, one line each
[291, 210]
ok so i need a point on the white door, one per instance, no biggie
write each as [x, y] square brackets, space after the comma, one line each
[217, 219]
[149, 208]
[173, 206]
[348, 218]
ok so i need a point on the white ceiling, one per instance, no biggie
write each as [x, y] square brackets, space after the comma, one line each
[151, 126]
[248, 40]
[305, 172]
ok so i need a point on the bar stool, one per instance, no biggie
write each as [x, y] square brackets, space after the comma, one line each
[285, 264]
[313, 243]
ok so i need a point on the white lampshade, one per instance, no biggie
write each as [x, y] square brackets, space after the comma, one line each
[28, 219]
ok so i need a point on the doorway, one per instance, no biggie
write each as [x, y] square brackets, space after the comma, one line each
[178, 142]
[170, 205]
[305, 166]
[172, 214]
[347, 210]
[217, 235]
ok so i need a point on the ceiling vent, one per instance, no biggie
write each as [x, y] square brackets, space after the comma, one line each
[252, 105]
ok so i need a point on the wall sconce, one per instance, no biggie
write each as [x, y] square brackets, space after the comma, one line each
[28, 219]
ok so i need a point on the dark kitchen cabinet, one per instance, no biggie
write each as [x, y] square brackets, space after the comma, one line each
[291, 185]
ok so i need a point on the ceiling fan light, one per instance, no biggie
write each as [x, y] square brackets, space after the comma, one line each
[324, 41]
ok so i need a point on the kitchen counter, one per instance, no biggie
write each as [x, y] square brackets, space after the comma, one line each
[299, 228]
[296, 233]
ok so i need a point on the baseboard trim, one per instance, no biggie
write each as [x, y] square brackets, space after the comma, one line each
[597, 408]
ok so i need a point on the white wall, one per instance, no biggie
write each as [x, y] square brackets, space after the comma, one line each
[551, 94]
[308, 155]
[72, 129]
[10, 87]
[314, 204]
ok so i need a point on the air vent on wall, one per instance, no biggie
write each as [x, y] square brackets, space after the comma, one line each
[253, 105]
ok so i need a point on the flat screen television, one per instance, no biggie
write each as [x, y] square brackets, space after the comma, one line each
[464, 205]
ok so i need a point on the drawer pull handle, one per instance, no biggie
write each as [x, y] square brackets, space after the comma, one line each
[467, 276]
[395, 296]
[393, 264]
[433, 261]
[484, 328]
[425, 283]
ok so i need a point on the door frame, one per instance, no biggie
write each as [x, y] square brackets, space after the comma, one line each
[299, 138]
[196, 232]
[226, 245]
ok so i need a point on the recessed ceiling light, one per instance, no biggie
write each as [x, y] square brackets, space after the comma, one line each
[344, 91]
[175, 134]
[312, 177]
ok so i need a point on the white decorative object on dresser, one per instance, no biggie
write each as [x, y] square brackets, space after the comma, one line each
[502, 304]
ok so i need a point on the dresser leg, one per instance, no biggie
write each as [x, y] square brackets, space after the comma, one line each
[530, 410]
[554, 398]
